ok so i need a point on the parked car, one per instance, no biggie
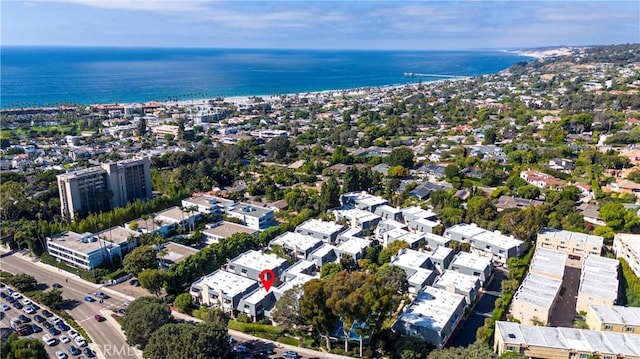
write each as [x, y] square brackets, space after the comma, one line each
[53, 331]
[5, 307]
[49, 340]
[61, 355]
[38, 318]
[80, 341]
[72, 333]
[290, 354]
[16, 295]
[73, 350]
[26, 301]
[47, 324]
[63, 326]
[3, 295]
[100, 318]
[64, 339]
[29, 309]
[36, 328]
[57, 285]
[24, 318]
[89, 353]
[17, 305]
[47, 313]
[55, 320]
[89, 299]
[24, 330]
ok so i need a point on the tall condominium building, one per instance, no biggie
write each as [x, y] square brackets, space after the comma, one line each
[104, 187]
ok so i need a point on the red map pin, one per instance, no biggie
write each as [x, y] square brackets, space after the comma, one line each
[267, 277]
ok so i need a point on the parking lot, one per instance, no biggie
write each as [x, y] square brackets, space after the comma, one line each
[30, 319]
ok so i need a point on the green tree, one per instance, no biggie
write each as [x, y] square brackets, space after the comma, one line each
[184, 302]
[451, 171]
[401, 156]
[153, 280]
[186, 341]
[344, 301]
[394, 277]
[490, 136]
[329, 194]
[22, 282]
[144, 316]
[315, 311]
[634, 176]
[398, 172]
[287, 310]
[476, 350]
[142, 126]
[23, 348]
[528, 192]
[614, 215]
[212, 315]
[51, 298]
[141, 258]
[392, 249]
[330, 269]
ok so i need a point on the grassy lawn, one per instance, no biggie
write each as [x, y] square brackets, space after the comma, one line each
[259, 330]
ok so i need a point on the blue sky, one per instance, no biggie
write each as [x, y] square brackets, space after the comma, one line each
[420, 25]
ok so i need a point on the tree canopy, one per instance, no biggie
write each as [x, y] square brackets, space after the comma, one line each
[144, 316]
[141, 258]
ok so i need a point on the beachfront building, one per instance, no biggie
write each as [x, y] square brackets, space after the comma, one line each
[627, 247]
[563, 343]
[85, 251]
[614, 318]
[215, 232]
[472, 264]
[104, 187]
[251, 263]
[222, 290]
[463, 284]
[575, 245]
[598, 282]
[252, 216]
[326, 231]
[492, 244]
[432, 316]
[535, 299]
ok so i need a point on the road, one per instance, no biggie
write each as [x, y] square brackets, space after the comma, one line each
[466, 333]
[107, 338]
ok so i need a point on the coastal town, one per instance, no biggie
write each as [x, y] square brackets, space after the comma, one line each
[495, 216]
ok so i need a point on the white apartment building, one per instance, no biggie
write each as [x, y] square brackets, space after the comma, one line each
[598, 282]
[627, 247]
[85, 251]
[575, 245]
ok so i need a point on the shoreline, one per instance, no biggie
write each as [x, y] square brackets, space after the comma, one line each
[238, 99]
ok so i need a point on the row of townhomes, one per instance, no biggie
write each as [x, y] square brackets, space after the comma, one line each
[442, 283]
[571, 262]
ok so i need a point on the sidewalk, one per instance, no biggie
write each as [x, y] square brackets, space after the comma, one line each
[107, 314]
[244, 336]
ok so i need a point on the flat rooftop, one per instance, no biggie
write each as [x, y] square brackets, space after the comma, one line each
[411, 238]
[538, 290]
[436, 238]
[461, 281]
[420, 277]
[320, 226]
[396, 233]
[300, 267]
[498, 239]
[226, 229]
[572, 236]
[388, 209]
[617, 314]
[417, 212]
[296, 240]
[582, 340]
[250, 210]
[631, 240]
[360, 214]
[432, 308]
[354, 245]
[174, 214]
[207, 201]
[176, 253]
[256, 296]
[548, 261]
[409, 258]
[470, 260]
[258, 261]
[441, 253]
[82, 172]
[117, 234]
[599, 276]
[323, 250]
[84, 243]
[229, 284]
[464, 229]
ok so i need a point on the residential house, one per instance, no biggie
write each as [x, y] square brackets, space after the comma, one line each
[575, 245]
[598, 282]
[300, 246]
[509, 202]
[251, 263]
[535, 299]
[254, 217]
[542, 180]
[356, 218]
[214, 232]
[614, 318]
[472, 264]
[492, 244]
[326, 231]
[417, 265]
[463, 284]
[222, 289]
[354, 248]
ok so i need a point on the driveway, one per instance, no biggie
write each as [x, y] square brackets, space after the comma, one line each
[466, 332]
[562, 315]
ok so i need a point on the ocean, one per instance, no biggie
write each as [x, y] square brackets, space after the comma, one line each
[45, 76]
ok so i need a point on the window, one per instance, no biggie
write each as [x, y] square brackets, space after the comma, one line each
[607, 327]
[244, 271]
[246, 306]
[477, 274]
[511, 349]
[629, 330]
[584, 356]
